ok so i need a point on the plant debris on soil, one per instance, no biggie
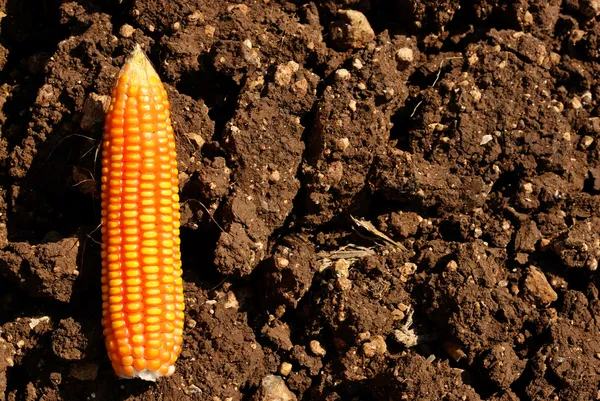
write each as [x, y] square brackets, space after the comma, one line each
[380, 199]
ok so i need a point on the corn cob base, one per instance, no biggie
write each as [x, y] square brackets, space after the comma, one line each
[142, 289]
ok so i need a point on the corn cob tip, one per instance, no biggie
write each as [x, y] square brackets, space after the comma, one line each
[139, 69]
[137, 55]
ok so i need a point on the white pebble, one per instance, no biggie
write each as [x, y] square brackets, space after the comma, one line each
[405, 55]
[357, 64]
[485, 139]
[342, 74]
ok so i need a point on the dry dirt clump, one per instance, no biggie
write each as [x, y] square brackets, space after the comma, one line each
[380, 199]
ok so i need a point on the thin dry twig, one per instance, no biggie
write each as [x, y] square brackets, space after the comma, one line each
[350, 253]
[65, 138]
[371, 229]
[84, 181]
[89, 150]
[437, 78]
[89, 236]
[415, 109]
[209, 214]
[218, 285]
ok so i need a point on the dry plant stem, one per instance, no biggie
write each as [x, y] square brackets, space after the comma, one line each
[349, 252]
[370, 228]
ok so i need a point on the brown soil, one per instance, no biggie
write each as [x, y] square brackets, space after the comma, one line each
[466, 134]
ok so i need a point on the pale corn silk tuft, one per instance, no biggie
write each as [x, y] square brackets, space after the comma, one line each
[142, 289]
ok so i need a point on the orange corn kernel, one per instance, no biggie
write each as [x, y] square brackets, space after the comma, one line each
[140, 220]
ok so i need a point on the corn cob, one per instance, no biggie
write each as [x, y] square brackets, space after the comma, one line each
[142, 290]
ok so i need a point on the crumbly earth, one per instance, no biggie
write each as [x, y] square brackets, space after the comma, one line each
[380, 199]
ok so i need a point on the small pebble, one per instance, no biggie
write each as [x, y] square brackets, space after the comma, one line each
[196, 16]
[452, 266]
[353, 30]
[285, 368]
[282, 263]
[376, 346]
[398, 315]
[275, 176]
[342, 74]
[528, 187]
[335, 171]
[196, 138]
[408, 269]
[238, 7]
[447, 85]
[284, 72]
[586, 98]
[126, 31]
[557, 106]
[317, 349]
[575, 103]
[35, 321]
[486, 139]
[343, 144]
[273, 388]
[538, 288]
[405, 55]
[232, 302]
[586, 142]
[476, 95]
[210, 30]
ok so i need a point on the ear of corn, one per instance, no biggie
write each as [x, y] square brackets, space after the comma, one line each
[142, 291]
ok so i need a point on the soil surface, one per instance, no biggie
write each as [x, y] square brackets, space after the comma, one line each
[381, 200]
